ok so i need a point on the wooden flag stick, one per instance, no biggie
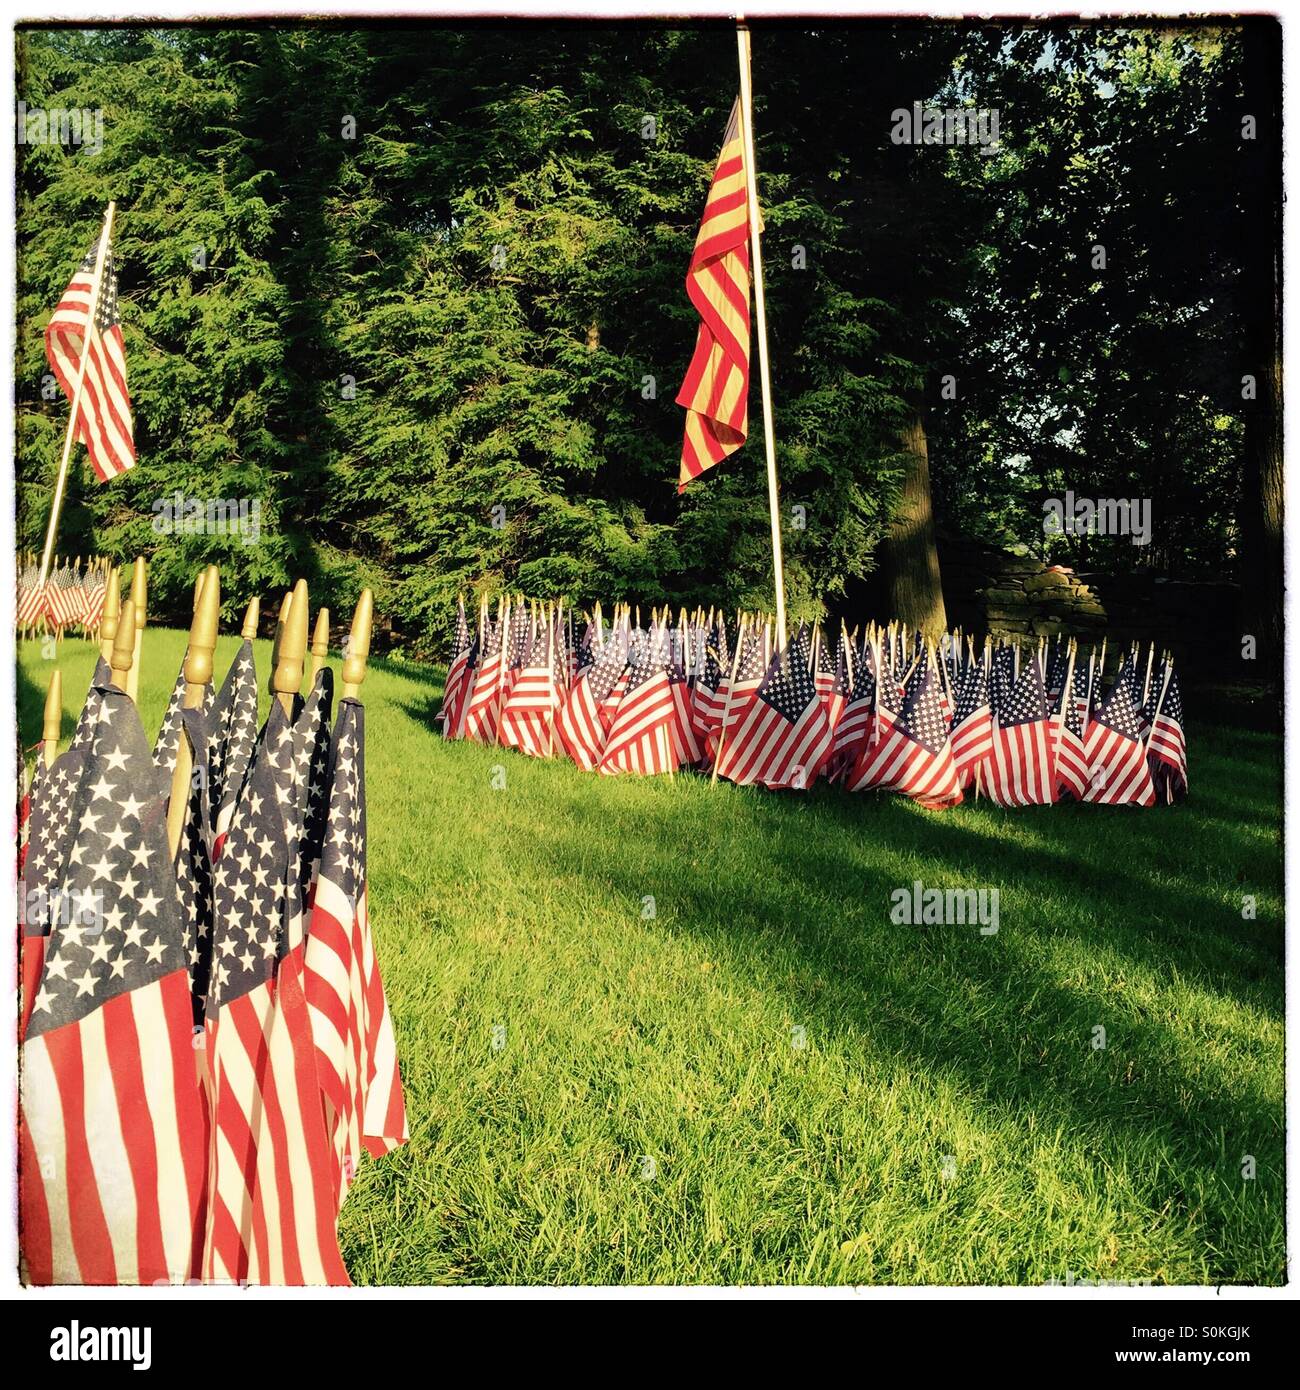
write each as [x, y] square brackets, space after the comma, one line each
[354, 662]
[286, 679]
[760, 315]
[61, 479]
[251, 614]
[53, 725]
[140, 602]
[198, 676]
[112, 612]
[320, 645]
[123, 651]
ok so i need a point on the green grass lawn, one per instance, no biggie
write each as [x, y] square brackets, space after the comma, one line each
[604, 1089]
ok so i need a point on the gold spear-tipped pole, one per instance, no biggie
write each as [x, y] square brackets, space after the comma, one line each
[112, 613]
[320, 644]
[198, 676]
[139, 603]
[123, 652]
[251, 614]
[88, 338]
[279, 635]
[286, 678]
[53, 725]
[354, 663]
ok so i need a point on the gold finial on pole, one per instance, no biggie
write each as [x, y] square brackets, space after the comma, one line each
[123, 652]
[112, 612]
[198, 676]
[286, 678]
[320, 644]
[198, 588]
[139, 602]
[358, 648]
[53, 725]
[251, 614]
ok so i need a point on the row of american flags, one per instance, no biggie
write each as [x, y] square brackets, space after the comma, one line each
[877, 709]
[206, 1049]
[72, 596]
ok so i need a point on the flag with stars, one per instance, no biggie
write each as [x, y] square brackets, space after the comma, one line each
[638, 739]
[104, 419]
[1117, 756]
[271, 1209]
[786, 736]
[972, 722]
[1021, 770]
[711, 669]
[855, 726]
[1071, 756]
[352, 1032]
[168, 742]
[457, 674]
[112, 1146]
[484, 696]
[579, 726]
[1167, 742]
[914, 756]
[686, 745]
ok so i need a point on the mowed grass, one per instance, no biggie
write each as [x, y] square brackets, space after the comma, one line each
[657, 1032]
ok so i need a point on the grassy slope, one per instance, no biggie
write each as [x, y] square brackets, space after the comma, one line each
[644, 1113]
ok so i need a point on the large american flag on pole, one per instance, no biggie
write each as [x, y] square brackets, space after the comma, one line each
[103, 422]
[716, 390]
[111, 1185]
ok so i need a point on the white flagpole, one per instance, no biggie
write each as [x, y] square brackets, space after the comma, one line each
[52, 529]
[760, 313]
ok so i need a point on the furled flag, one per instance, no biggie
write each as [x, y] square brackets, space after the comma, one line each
[786, 736]
[31, 598]
[1020, 771]
[168, 742]
[1167, 743]
[579, 725]
[96, 590]
[273, 1196]
[112, 1151]
[854, 730]
[483, 700]
[715, 393]
[1071, 756]
[104, 419]
[912, 754]
[686, 743]
[972, 722]
[638, 739]
[529, 710]
[457, 672]
[710, 676]
[1117, 757]
[352, 1032]
[739, 694]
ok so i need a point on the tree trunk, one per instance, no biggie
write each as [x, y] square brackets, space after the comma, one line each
[1261, 508]
[910, 558]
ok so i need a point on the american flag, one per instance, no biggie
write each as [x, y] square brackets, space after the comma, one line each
[715, 393]
[352, 1032]
[1117, 757]
[853, 731]
[168, 742]
[638, 739]
[31, 598]
[972, 722]
[786, 736]
[686, 743]
[1067, 725]
[104, 419]
[579, 725]
[457, 673]
[273, 1196]
[913, 755]
[529, 710]
[888, 706]
[95, 589]
[483, 702]
[1167, 743]
[1021, 772]
[63, 597]
[711, 670]
[112, 1131]
[230, 739]
[738, 694]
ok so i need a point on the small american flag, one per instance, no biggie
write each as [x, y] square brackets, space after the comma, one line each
[103, 423]
[1021, 772]
[457, 672]
[972, 722]
[786, 736]
[483, 701]
[1117, 757]
[579, 726]
[112, 1132]
[1167, 742]
[638, 739]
